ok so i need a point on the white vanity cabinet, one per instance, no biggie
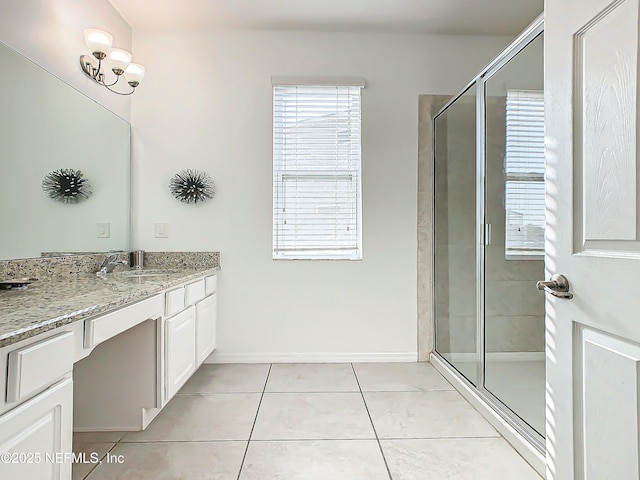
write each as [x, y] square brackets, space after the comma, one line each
[206, 327]
[189, 331]
[36, 426]
[113, 371]
[180, 332]
[36, 437]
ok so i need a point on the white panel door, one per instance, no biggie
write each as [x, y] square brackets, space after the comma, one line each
[32, 434]
[206, 316]
[180, 355]
[593, 238]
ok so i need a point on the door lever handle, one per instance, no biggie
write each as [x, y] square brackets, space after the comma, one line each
[558, 286]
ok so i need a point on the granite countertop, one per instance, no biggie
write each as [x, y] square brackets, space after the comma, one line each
[52, 302]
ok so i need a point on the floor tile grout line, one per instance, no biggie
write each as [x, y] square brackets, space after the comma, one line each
[366, 407]
[95, 467]
[311, 440]
[431, 390]
[266, 440]
[205, 394]
[318, 439]
[450, 437]
[215, 440]
[253, 426]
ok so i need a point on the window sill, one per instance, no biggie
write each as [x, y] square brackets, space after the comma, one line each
[511, 257]
[315, 258]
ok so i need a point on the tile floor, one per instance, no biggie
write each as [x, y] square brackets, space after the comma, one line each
[310, 422]
[520, 385]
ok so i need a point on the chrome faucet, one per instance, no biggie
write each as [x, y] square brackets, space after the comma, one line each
[110, 262]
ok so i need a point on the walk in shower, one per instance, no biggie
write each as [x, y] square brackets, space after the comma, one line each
[489, 234]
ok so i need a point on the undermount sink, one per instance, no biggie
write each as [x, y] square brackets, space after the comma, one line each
[150, 272]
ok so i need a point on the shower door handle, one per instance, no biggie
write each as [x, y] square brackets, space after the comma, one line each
[487, 234]
[558, 286]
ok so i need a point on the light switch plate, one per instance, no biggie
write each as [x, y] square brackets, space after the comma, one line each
[103, 230]
[161, 230]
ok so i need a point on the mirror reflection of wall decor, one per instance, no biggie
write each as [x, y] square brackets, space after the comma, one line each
[192, 186]
[66, 185]
[46, 125]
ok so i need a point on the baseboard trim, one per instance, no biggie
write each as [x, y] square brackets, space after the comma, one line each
[102, 429]
[523, 447]
[312, 357]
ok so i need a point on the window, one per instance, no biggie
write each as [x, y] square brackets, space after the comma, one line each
[316, 172]
[524, 170]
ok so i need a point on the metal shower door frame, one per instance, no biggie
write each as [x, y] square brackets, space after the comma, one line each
[480, 80]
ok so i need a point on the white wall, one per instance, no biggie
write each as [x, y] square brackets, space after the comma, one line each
[50, 33]
[206, 104]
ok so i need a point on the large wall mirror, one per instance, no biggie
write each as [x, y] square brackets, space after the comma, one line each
[46, 125]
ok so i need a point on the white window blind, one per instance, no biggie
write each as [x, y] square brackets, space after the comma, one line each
[524, 169]
[316, 172]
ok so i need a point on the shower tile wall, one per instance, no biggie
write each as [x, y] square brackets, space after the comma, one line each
[456, 243]
[514, 310]
[429, 105]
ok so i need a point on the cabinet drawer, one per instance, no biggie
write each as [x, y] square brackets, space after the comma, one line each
[193, 292]
[174, 302]
[39, 365]
[97, 330]
[211, 284]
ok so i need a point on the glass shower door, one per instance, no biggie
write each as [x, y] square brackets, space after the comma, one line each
[514, 370]
[455, 235]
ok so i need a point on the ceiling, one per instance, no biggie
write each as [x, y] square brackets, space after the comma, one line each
[463, 17]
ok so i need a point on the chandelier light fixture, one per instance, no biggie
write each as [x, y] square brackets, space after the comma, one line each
[99, 43]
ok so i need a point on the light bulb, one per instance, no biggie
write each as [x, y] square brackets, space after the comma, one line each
[134, 74]
[98, 41]
[119, 60]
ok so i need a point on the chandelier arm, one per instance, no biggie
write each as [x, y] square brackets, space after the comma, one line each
[116, 92]
[94, 73]
[110, 84]
[97, 71]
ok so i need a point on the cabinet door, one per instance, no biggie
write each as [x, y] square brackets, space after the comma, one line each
[32, 434]
[181, 349]
[206, 316]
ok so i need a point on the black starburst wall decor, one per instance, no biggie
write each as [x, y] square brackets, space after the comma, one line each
[192, 186]
[66, 185]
